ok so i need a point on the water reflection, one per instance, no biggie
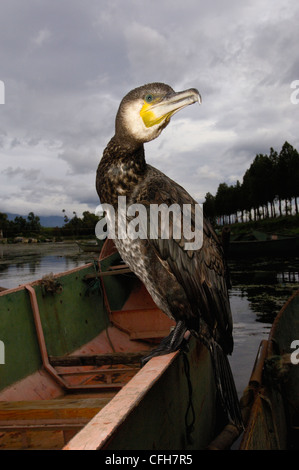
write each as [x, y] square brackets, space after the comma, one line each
[20, 264]
[261, 286]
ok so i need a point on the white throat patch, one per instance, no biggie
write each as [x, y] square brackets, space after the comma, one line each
[135, 125]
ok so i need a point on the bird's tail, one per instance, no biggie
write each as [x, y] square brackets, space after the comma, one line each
[226, 385]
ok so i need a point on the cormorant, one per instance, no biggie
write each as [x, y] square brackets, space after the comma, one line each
[190, 286]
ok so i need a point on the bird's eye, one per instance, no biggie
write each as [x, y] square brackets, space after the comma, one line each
[149, 98]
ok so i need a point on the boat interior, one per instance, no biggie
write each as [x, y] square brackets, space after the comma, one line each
[46, 408]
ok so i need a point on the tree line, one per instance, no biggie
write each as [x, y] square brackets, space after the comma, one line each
[20, 225]
[270, 188]
[30, 226]
[77, 226]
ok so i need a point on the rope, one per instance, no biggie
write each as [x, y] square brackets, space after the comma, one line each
[190, 407]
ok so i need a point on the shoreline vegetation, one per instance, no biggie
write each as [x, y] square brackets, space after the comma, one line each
[29, 230]
[284, 226]
[280, 225]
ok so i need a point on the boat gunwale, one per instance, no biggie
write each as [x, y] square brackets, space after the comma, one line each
[100, 429]
[38, 281]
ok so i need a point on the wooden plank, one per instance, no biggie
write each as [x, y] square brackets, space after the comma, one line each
[97, 360]
[35, 440]
[97, 386]
[51, 409]
[80, 371]
[114, 270]
[157, 335]
[43, 424]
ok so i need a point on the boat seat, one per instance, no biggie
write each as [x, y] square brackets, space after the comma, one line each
[142, 324]
[96, 372]
[45, 424]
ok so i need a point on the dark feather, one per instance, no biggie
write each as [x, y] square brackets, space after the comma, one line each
[201, 273]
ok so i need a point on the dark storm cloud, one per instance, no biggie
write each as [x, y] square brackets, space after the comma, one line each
[29, 175]
[67, 64]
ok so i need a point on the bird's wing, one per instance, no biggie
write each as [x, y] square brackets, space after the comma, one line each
[201, 272]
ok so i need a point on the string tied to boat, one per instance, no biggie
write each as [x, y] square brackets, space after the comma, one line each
[190, 407]
[50, 285]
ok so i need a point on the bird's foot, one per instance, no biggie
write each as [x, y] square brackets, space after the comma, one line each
[174, 341]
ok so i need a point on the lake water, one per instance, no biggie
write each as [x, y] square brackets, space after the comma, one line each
[260, 288]
[23, 263]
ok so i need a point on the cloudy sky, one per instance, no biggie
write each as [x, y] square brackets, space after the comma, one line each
[66, 64]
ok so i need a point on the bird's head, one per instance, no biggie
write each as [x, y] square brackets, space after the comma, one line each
[145, 111]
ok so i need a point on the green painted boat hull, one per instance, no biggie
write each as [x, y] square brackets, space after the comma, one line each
[70, 318]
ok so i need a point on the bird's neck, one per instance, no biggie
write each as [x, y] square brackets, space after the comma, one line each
[120, 170]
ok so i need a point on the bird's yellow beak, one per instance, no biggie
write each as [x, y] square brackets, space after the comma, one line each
[157, 109]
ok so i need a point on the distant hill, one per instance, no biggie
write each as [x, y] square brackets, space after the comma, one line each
[46, 221]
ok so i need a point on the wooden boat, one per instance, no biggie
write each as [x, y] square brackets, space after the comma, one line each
[71, 377]
[90, 247]
[271, 400]
[258, 243]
